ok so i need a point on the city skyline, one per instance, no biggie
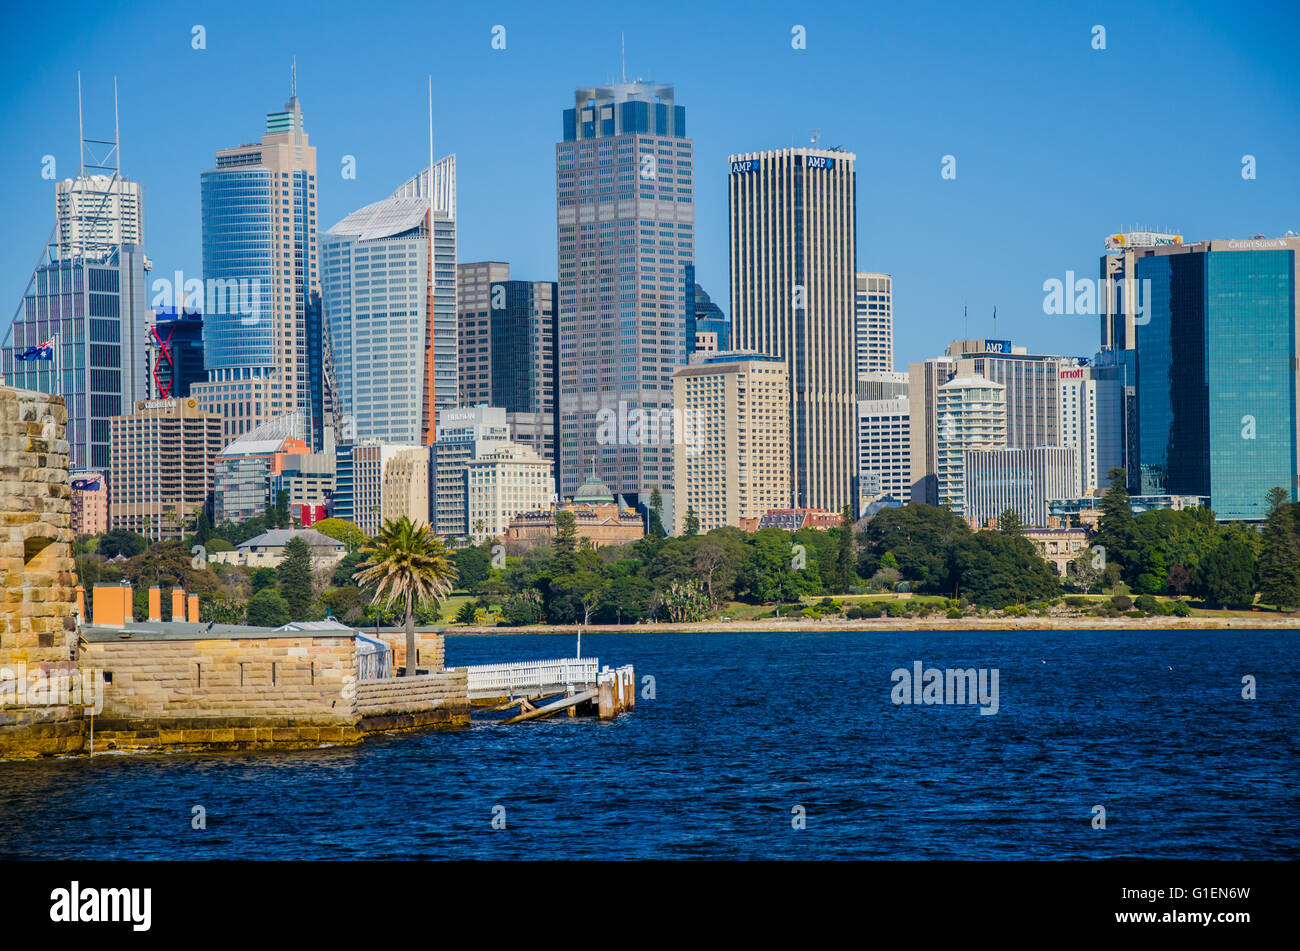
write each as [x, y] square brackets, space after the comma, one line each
[944, 241]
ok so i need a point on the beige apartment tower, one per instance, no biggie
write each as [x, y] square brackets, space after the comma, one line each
[163, 462]
[733, 461]
[792, 251]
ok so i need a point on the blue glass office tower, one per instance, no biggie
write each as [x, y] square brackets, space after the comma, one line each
[175, 352]
[1217, 373]
[260, 269]
[706, 326]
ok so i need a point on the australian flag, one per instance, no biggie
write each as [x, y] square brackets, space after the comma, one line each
[42, 351]
[87, 485]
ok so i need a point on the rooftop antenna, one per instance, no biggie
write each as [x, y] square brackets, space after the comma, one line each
[293, 79]
[622, 41]
[995, 321]
[965, 322]
[816, 134]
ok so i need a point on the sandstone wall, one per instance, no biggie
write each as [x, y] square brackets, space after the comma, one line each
[429, 648]
[37, 624]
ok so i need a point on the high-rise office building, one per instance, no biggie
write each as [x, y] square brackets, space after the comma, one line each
[507, 349]
[882, 385]
[707, 327]
[463, 433]
[1033, 391]
[163, 460]
[260, 269]
[1122, 302]
[873, 314]
[625, 220]
[81, 334]
[924, 380]
[378, 494]
[175, 353]
[245, 470]
[98, 212]
[383, 317]
[733, 462]
[1218, 371]
[884, 449]
[1022, 480]
[792, 252]
[972, 414]
[474, 283]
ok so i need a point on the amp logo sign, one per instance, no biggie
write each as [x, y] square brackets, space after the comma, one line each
[818, 161]
[748, 165]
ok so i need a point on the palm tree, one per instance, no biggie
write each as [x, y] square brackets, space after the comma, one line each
[406, 562]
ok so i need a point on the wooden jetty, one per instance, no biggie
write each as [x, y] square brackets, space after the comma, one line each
[540, 689]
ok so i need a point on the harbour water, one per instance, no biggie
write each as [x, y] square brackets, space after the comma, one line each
[754, 746]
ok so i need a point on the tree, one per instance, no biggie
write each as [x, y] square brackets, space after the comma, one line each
[262, 578]
[407, 563]
[565, 544]
[691, 526]
[846, 554]
[1116, 530]
[473, 565]
[656, 529]
[267, 608]
[294, 576]
[1009, 523]
[684, 602]
[281, 512]
[574, 597]
[202, 527]
[340, 529]
[466, 613]
[1226, 575]
[122, 542]
[1279, 559]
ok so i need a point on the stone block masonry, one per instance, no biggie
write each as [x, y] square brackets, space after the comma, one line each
[37, 608]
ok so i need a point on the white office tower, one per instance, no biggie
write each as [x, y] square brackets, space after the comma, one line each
[972, 414]
[873, 316]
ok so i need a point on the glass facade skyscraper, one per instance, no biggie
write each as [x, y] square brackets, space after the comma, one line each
[93, 310]
[258, 210]
[625, 219]
[1217, 373]
[382, 314]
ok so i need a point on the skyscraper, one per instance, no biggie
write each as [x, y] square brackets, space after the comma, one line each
[793, 243]
[625, 219]
[81, 330]
[98, 212]
[260, 269]
[1218, 371]
[734, 464]
[707, 327]
[924, 380]
[385, 320]
[873, 312]
[175, 353]
[972, 415]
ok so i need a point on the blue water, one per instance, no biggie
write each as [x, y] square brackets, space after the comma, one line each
[743, 729]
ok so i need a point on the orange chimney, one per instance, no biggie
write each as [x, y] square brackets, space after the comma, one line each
[113, 605]
[155, 604]
[81, 603]
[194, 609]
[178, 604]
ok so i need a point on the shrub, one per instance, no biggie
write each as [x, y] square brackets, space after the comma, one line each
[1122, 602]
[1135, 613]
[1076, 601]
[1107, 609]
[1180, 609]
[954, 613]
[1147, 604]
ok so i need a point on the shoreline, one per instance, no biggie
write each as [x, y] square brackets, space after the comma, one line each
[807, 625]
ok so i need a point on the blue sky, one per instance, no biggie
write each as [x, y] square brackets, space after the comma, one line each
[1057, 144]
